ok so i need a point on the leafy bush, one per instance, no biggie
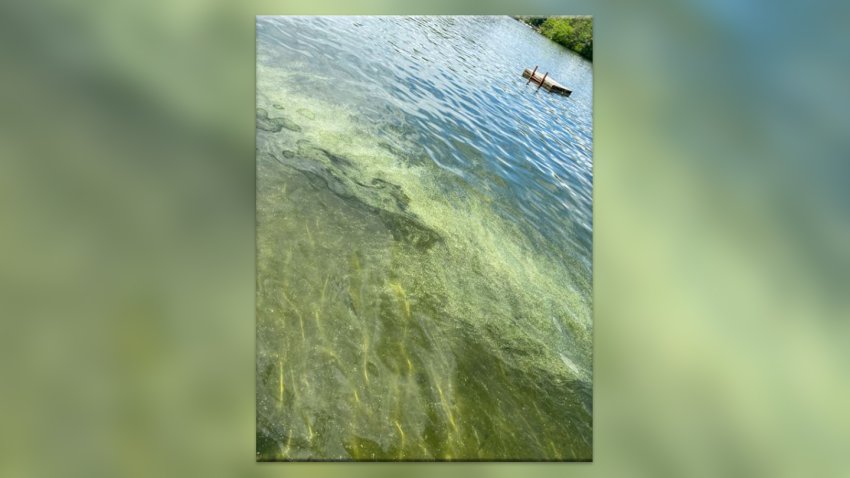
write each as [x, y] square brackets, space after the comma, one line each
[575, 33]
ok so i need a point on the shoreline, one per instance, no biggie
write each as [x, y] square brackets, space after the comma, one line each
[573, 33]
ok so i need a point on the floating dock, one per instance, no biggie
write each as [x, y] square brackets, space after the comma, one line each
[544, 81]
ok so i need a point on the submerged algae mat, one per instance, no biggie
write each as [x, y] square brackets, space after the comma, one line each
[399, 315]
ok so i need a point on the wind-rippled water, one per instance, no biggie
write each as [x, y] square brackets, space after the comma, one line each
[424, 242]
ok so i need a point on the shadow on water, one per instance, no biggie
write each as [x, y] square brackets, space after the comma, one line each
[376, 196]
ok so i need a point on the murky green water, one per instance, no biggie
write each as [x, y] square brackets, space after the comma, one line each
[423, 242]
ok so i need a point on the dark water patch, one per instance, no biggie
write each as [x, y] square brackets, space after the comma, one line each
[336, 159]
[409, 230]
[389, 196]
[402, 200]
[378, 197]
[322, 179]
[274, 125]
[404, 227]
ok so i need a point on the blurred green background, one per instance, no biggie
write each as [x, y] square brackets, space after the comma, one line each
[722, 227]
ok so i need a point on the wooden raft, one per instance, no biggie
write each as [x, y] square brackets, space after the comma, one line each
[547, 83]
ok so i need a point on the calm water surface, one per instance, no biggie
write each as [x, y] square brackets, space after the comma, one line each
[424, 242]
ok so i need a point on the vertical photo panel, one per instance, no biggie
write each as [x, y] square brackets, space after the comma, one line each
[424, 227]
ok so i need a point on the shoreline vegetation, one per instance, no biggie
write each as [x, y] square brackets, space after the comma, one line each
[575, 33]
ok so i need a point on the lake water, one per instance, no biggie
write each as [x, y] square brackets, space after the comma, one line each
[424, 242]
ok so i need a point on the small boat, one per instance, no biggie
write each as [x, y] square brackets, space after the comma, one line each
[544, 81]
